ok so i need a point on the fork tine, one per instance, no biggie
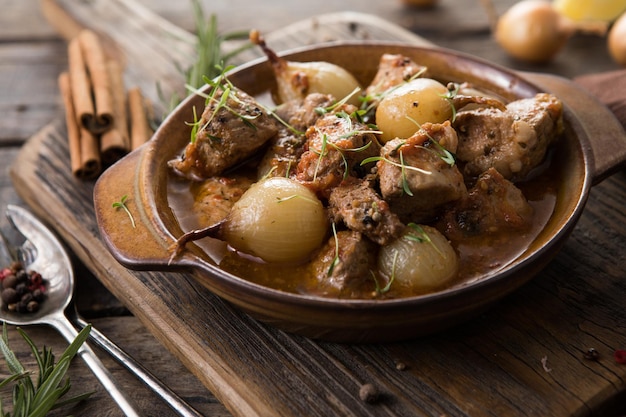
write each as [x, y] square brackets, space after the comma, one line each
[7, 251]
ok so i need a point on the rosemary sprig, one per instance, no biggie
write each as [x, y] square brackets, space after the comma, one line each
[209, 52]
[37, 399]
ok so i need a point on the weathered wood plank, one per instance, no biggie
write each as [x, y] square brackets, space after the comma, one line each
[133, 337]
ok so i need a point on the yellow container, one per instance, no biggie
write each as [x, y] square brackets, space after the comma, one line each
[591, 10]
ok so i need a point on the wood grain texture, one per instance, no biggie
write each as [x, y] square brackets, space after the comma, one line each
[489, 366]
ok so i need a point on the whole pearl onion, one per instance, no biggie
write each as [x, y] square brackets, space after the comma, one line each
[277, 220]
[419, 263]
[421, 100]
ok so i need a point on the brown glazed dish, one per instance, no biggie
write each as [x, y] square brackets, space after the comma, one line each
[593, 147]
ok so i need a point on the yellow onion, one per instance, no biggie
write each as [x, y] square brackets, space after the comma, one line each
[295, 80]
[617, 40]
[277, 220]
[422, 259]
[533, 31]
[414, 103]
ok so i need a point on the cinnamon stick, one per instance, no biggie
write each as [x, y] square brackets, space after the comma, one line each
[140, 131]
[80, 84]
[94, 58]
[115, 143]
[83, 145]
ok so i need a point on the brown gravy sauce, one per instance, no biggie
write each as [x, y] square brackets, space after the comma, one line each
[478, 256]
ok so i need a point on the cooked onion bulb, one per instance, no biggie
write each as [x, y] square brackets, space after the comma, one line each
[277, 220]
[532, 30]
[617, 40]
[422, 259]
[420, 100]
[296, 80]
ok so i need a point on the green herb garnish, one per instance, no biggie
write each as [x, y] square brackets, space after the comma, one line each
[37, 399]
[336, 260]
[122, 205]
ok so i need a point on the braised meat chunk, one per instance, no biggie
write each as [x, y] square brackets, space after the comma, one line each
[494, 205]
[513, 141]
[214, 198]
[416, 176]
[302, 114]
[336, 145]
[344, 265]
[393, 70]
[360, 208]
[286, 147]
[231, 129]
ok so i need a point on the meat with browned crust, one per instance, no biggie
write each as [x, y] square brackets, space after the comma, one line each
[393, 70]
[513, 141]
[360, 208]
[286, 147]
[494, 205]
[228, 134]
[344, 264]
[336, 145]
[417, 196]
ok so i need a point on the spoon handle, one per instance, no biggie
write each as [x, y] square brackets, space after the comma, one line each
[68, 331]
[171, 398]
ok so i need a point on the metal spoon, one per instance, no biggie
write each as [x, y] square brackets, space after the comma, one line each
[44, 253]
[53, 264]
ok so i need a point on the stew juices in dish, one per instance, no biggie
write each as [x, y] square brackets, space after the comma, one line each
[398, 188]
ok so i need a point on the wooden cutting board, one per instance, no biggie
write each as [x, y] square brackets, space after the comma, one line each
[522, 358]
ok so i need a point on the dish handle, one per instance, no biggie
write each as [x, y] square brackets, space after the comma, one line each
[124, 223]
[605, 134]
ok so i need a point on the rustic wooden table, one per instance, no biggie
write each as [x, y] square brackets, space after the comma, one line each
[577, 297]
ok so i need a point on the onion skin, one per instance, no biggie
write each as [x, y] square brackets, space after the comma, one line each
[278, 220]
[422, 265]
[296, 80]
[533, 31]
[616, 40]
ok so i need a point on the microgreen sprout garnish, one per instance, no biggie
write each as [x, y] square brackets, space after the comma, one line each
[335, 261]
[387, 287]
[445, 155]
[453, 90]
[420, 236]
[194, 126]
[293, 196]
[37, 399]
[228, 92]
[370, 101]
[403, 167]
[332, 107]
[122, 205]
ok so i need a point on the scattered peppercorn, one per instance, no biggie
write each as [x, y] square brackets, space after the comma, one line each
[620, 356]
[592, 354]
[368, 393]
[22, 291]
